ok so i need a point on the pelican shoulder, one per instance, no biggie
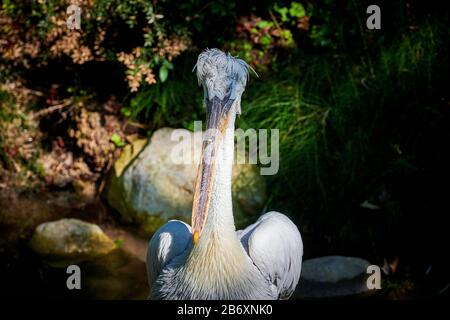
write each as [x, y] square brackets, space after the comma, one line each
[275, 246]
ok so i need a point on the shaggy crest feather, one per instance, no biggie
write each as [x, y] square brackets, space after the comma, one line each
[221, 74]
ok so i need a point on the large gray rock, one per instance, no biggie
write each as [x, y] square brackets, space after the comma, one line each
[332, 276]
[149, 188]
[69, 241]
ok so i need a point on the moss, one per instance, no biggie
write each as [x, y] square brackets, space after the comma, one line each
[129, 152]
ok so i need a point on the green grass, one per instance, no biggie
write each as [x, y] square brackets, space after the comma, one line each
[176, 102]
[347, 127]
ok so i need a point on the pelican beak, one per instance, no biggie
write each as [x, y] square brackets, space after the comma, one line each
[218, 112]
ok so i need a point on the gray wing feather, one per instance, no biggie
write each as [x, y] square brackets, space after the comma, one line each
[169, 241]
[275, 246]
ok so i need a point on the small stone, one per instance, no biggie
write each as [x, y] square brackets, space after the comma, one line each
[69, 241]
[332, 276]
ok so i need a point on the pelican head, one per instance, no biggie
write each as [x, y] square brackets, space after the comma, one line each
[223, 78]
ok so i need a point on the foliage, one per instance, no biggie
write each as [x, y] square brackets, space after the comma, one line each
[34, 34]
[175, 103]
[117, 140]
[19, 148]
[348, 130]
[259, 40]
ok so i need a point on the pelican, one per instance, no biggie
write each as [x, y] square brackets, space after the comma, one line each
[210, 259]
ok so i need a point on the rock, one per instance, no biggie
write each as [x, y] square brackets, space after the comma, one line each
[69, 241]
[333, 269]
[149, 188]
[332, 276]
